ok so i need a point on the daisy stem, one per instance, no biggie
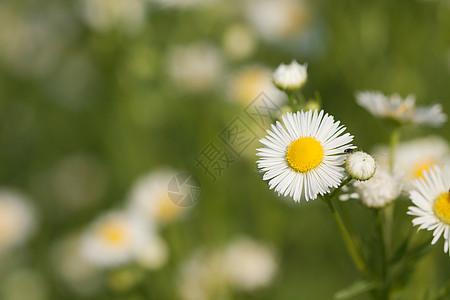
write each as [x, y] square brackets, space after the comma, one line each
[292, 101]
[395, 137]
[380, 222]
[348, 237]
[300, 99]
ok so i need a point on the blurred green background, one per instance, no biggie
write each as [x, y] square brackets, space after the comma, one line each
[122, 88]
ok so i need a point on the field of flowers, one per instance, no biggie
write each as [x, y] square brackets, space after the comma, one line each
[217, 150]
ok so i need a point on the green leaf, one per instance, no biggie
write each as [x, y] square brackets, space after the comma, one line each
[401, 250]
[356, 288]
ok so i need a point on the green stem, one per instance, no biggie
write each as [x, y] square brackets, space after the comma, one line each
[294, 105]
[388, 220]
[347, 236]
[300, 99]
[394, 139]
[336, 190]
[380, 222]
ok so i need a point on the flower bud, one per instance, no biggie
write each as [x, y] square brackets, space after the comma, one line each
[290, 77]
[360, 165]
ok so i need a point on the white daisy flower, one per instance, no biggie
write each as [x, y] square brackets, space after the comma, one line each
[360, 165]
[413, 157]
[305, 155]
[114, 239]
[249, 264]
[401, 110]
[103, 15]
[379, 190]
[197, 67]
[202, 276]
[239, 41]
[251, 81]
[431, 198]
[154, 254]
[281, 19]
[290, 77]
[17, 219]
[149, 198]
[182, 3]
[72, 267]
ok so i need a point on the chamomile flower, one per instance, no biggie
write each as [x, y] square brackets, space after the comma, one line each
[413, 157]
[196, 67]
[154, 254]
[431, 199]
[303, 158]
[17, 219]
[249, 82]
[149, 198]
[114, 239]
[249, 264]
[103, 15]
[202, 276]
[401, 110]
[72, 267]
[281, 19]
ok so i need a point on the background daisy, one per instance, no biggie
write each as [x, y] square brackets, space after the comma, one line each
[114, 239]
[431, 199]
[149, 198]
[17, 219]
[415, 156]
[401, 110]
[249, 264]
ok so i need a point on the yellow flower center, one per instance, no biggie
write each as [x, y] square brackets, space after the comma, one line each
[249, 84]
[114, 233]
[423, 165]
[304, 154]
[441, 208]
[167, 210]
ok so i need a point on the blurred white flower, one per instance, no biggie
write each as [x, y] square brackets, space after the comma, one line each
[249, 264]
[251, 81]
[379, 190]
[431, 199]
[412, 157]
[72, 267]
[290, 77]
[401, 110]
[17, 219]
[33, 42]
[202, 276]
[103, 15]
[197, 67]
[149, 198]
[154, 254]
[239, 41]
[114, 239]
[243, 264]
[277, 19]
[360, 165]
[181, 3]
